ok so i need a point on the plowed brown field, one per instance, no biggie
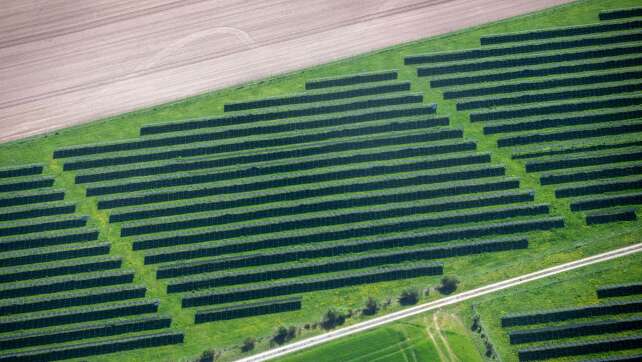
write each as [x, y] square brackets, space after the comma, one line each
[65, 62]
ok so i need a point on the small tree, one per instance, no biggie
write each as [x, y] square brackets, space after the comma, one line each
[409, 297]
[280, 335]
[371, 308]
[448, 285]
[331, 319]
[291, 333]
[248, 344]
[475, 326]
[490, 349]
[207, 356]
[387, 303]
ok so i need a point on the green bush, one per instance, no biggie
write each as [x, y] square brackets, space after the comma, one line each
[371, 307]
[331, 319]
[409, 297]
[448, 285]
[282, 335]
[248, 344]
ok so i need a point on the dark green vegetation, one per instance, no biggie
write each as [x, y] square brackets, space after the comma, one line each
[362, 180]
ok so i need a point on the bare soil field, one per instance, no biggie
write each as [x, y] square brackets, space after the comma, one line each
[65, 62]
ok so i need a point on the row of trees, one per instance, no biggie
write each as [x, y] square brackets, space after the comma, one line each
[334, 318]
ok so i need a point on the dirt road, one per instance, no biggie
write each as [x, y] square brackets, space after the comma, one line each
[65, 62]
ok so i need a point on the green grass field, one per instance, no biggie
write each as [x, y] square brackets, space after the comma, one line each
[437, 336]
[407, 341]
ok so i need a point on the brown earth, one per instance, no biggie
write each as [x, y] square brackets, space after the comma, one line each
[65, 62]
